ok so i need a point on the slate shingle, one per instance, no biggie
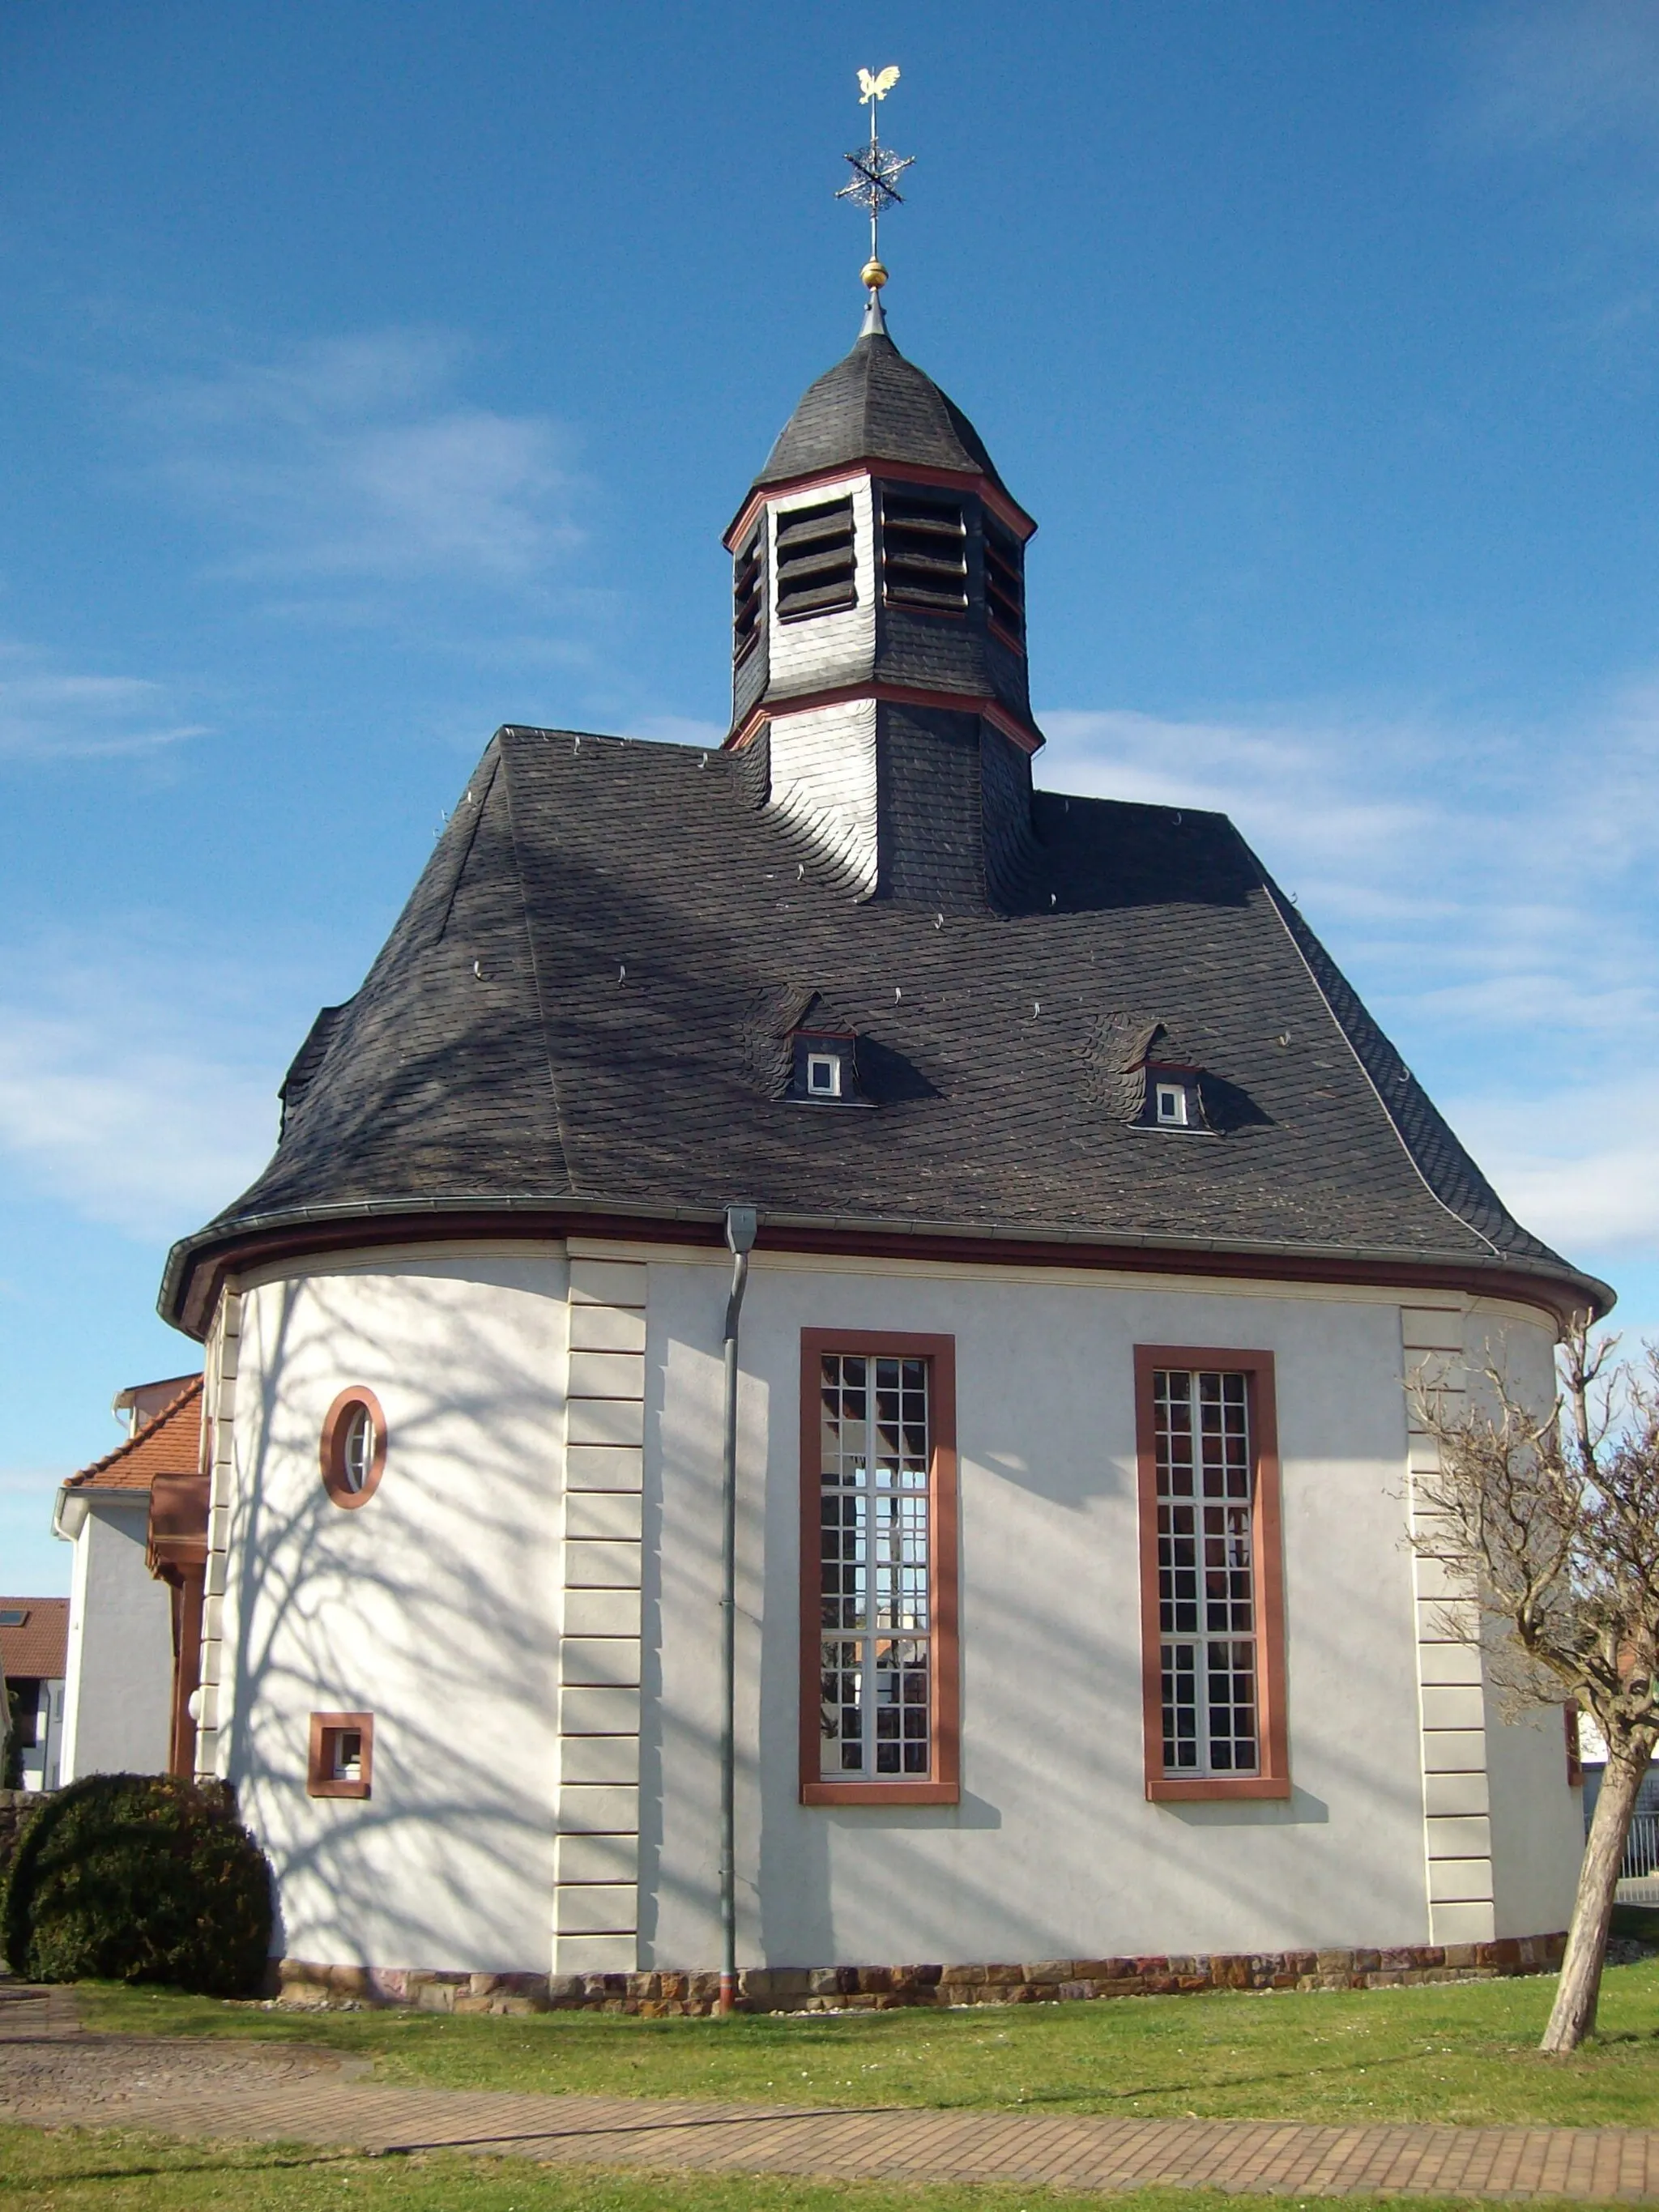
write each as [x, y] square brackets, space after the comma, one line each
[566, 1014]
[875, 405]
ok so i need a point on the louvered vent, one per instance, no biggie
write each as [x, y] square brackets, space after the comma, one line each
[815, 560]
[924, 551]
[1004, 582]
[747, 578]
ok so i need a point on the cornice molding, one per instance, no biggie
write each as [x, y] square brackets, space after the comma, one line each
[199, 1269]
[1006, 510]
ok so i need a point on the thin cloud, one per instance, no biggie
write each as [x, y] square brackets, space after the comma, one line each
[47, 712]
[110, 1101]
[1567, 72]
[356, 460]
[1578, 1164]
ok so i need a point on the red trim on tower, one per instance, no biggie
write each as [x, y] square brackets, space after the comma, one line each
[994, 497]
[1025, 735]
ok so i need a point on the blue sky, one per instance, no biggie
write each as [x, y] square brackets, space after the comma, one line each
[373, 375]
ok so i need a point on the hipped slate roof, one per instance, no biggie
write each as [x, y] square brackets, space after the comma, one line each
[875, 405]
[562, 1018]
[171, 1443]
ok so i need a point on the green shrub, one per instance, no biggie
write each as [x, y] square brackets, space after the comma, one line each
[139, 1878]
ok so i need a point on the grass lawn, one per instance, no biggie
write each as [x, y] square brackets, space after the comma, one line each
[113, 2170]
[1460, 2053]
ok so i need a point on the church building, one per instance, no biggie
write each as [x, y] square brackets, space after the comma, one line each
[1078, 1643]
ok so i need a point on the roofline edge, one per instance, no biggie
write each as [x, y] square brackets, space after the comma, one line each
[190, 1287]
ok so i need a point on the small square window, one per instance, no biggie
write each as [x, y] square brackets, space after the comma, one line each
[823, 1075]
[342, 1759]
[1170, 1108]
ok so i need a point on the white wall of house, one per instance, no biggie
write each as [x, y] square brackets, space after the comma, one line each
[436, 1606]
[41, 1763]
[118, 1693]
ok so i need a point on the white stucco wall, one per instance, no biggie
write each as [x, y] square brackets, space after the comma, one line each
[118, 1693]
[1053, 1852]
[434, 1607]
[437, 1606]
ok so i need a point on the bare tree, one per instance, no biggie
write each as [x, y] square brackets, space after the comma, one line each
[1547, 1528]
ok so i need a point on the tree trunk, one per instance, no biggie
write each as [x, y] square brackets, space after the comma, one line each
[1574, 2014]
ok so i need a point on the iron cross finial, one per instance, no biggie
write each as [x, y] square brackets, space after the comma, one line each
[876, 170]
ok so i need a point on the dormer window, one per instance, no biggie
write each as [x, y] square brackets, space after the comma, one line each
[1004, 582]
[816, 571]
[747, 578]
[825, 1068]
[1172, 1097]
[924, 551]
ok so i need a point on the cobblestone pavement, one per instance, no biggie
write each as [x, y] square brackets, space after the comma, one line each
[52, 2073]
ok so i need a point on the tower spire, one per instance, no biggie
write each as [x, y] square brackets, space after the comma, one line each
[876, 169]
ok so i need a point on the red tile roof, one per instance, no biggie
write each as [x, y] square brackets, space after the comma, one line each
[170, 1444]
[37, 1648]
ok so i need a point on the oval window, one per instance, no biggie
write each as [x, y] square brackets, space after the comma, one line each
[353, 1446]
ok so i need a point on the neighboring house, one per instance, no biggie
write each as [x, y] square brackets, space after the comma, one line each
[1100, 1229]
[33, 1636]
[119, 1703]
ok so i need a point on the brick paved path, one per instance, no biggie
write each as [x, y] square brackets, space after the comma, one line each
[52, 2072]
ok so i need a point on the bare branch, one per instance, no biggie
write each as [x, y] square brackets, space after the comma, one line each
[1545, 1527]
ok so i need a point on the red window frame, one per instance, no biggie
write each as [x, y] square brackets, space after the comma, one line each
[326, 1728]
[1274, 1777]
[943, 1784]
[331, 1447]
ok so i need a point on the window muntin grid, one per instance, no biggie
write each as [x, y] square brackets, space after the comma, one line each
[876, 1655]
[1207, 1574]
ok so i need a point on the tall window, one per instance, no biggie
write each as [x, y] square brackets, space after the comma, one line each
[1207, 1603]
[878, 1570]
[1213, 1610]
[874, 1580]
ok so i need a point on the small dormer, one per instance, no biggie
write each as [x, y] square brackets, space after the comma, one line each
[1173, 1096]
[823, 1059]
[1142, 1076]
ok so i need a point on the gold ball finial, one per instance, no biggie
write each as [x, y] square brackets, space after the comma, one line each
[873, 276]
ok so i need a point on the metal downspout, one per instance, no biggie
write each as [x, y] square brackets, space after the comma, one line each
[740, 1236]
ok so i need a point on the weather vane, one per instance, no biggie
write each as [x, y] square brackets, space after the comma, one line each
[876, 170]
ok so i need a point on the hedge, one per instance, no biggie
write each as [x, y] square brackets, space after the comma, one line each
[139, 1878]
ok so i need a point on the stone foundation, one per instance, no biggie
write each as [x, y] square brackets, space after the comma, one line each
[878, 1989]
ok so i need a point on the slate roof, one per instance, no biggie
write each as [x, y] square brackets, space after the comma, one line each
[563, 1016]
[169, 1443]
[875, 405]
[38, 1651]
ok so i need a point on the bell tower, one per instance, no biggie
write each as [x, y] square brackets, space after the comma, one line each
[879, 697]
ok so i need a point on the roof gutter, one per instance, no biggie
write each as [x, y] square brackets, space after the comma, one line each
[69, 1513]
[187, 1301]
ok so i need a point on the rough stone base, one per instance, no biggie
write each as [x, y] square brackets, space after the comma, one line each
[877, 1989]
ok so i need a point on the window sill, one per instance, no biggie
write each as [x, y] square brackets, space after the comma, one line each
[880, 1793]
[333, 1788]
[1169, 1790]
